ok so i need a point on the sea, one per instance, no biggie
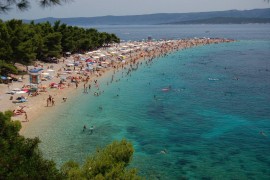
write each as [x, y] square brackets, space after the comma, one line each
[213, 123]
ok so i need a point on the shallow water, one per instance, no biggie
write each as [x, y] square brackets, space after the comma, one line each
[208, 123]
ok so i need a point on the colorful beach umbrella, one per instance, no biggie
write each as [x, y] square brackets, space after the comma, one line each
[89, 60]
[35, 70]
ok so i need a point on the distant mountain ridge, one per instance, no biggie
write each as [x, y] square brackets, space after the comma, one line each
[225, 20]
[250, 16]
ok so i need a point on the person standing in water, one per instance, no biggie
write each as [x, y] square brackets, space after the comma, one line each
[84, 128]
[91, 129]
[53, 102]
[26, 117]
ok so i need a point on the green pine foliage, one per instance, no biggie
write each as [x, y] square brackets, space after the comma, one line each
[7, 68]
[108, 163]
[23, 43]
[23, 5]
[20, 158]
[5, 46]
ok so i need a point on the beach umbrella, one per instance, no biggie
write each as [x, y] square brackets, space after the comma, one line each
[24, 91]
[89, 60]
[95, 57]
[123, 57]
[3, 78]
[113, 52]
[105, 62]
[101, 55]
[35, 70]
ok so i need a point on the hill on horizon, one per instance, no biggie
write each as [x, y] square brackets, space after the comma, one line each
[245, 16]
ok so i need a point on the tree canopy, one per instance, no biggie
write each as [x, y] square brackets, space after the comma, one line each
[6, 5]
[107, 163]
[20, 158]
[23, 43]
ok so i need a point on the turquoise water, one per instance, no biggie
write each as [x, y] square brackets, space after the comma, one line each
[208, 124]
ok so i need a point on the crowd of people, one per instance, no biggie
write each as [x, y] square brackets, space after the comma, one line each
[82, 75]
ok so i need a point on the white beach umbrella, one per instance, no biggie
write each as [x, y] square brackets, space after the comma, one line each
[101, 55]
[95, 57]
[20, 92]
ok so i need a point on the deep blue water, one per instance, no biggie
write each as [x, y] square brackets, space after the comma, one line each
[209, 123]
[234, 31]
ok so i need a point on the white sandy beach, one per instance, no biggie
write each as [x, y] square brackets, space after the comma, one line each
[109, 58]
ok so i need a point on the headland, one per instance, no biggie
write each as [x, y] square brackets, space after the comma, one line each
[62, 81]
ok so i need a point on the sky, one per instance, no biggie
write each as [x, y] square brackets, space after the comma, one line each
[92, 8]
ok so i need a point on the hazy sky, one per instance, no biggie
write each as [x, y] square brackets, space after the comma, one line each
[91, 8]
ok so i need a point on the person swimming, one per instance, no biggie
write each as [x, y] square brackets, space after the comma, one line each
[167, 89]
[163, 151]
[84, 128]
[262, 133]
[91, 129]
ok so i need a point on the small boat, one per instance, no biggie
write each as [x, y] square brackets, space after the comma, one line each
[166, 89]
[213, 79]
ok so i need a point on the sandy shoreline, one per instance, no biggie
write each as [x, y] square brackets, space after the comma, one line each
[37, 106]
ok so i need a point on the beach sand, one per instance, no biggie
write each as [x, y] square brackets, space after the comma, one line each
[37, 106]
